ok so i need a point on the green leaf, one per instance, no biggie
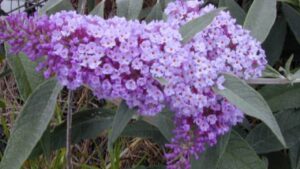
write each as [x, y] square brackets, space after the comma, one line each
[2, 52]
[164, 3]
[156, 13]
[275, 41]
[161, 81]
[292, 17]
[231, 152]
[293, 2]
[2, 104]
[250, 102]
[143, 130]
[239, 155]
[54, 6]
[91, 4]
[130, 9]
[144, 13]
[288, 65]
[87, 124]
[121, 119]
[235, 10]
[25, 74]
[212, 156]
[271, 72]
[5, 72]
[260, 18]
[296, 75]
[263, 141]
[190, 29]
[99, 9]
[164, 122]
[294, 154]
[281, 97]
[30, 124]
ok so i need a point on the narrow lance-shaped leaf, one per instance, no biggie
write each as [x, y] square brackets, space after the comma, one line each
[212, 156]
[281, 97]
[164, 122]
[99, 9]
[129, 8]
[143, 129]
[2, 104]
[235, 10]
[294, 154]
[87, 124]
[260, 18]
[239, 155]
[190, 29]
[25, 74]
[250, 102]
[271, 72]
[54, 6]
[293, 2]
[5, 71]
[292, 16]
[121, 119]
[164, 3]
[30, 124]
[275, 41]
[2, 53]
[296, 75]
[288, 65]
[91, 4]
[263, 141]
[156, 13]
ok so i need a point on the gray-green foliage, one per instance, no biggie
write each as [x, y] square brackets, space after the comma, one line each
[275, 41]
[212, 157]
[99, 9]
[250, 102]
[30, 124]
[263, 141]
[190, 29]
[235, 10]
[292, 16]
[87, 124]
[129, 8]
[260, 18]
[26, 76]
[281, 97]
[164, 122]
[240, 155]
[268, 131]
[121, 119]
[294, 154]
[231, 152]
[156, 13]
[54, 6]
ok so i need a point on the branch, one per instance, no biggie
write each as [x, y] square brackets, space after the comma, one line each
[270, 81]
[69, 128]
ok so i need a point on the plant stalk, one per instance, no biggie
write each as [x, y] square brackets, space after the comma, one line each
[272, 81]
[69, 112]
[69, 128]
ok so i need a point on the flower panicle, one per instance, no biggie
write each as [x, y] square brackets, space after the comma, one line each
[124, 59]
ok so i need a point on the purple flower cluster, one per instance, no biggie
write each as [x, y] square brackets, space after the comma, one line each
[124, 59]
[202, 115]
